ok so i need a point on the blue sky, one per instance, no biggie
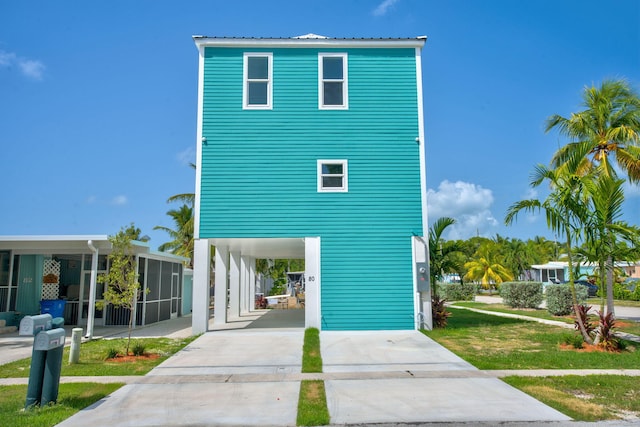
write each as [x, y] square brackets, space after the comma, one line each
[98, 99]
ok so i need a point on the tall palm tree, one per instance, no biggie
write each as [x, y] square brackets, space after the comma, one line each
[565, 211]
[605, 228]
[182, 235]
[608, 127]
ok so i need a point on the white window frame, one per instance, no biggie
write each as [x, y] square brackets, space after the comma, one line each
[344, 175]
[246, 81]
[344, 80]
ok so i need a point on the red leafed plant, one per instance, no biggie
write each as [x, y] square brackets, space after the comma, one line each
[606, 339]
[583, 313]
[439, 312]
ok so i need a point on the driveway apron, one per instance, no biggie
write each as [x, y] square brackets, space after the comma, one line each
[408, 378]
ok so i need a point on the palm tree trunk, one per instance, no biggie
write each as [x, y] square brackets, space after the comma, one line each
[574, 297]
[610, 307]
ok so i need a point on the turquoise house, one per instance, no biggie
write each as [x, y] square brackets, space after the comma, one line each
[313, 147]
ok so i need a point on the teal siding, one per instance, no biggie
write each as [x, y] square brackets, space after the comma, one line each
[259, 174]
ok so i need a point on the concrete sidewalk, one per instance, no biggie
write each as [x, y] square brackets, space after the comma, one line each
[251, 377]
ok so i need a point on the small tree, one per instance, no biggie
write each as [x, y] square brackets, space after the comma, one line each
[122, 279]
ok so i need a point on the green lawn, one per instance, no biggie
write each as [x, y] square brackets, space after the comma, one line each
[94, 353]
[541, 313]
[71, 399]
[588, 398]
[492, 342]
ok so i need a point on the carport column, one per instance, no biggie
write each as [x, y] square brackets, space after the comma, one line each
[222, 267]
[234, 285]
[200, 292]
[252, 283]
[245, 303]
[312, 309]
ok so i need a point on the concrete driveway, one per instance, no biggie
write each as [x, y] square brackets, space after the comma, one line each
[251, 377]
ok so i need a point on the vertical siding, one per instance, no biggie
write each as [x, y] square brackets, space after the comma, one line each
[259, 174]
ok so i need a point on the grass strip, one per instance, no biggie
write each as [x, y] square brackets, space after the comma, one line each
[585, 398]
[540, 313]
[93, 355]
[492, 342]
[72, 397]
[312, 404]
[311, 358]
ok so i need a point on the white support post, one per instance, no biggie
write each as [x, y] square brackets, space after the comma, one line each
[245, 302]
[252, 282]
[222, 267]
[234, 285]
[312, 308]
[200, 291]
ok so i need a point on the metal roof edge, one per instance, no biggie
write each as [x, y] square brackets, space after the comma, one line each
[53, 238]
[201, 41]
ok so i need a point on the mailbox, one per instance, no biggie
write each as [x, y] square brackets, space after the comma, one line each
[32, 325]
[48, 340]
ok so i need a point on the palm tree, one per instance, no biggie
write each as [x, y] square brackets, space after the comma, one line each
[182, 235]
[608, 127]
[517, 255]
[565, 212]
[441, 258]
[605, 229]
[486, 268]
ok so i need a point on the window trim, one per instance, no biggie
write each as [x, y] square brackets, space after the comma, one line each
[345, 176]
[345, 81]
[246, 81]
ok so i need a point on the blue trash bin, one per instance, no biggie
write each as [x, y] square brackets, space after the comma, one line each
[54, 307]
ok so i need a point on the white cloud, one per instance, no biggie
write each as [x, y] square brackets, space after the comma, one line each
[29, 67]
[6, 58]
[119, 200]
[187, 156]
[91, 199]
[383, 7]
[469, 204]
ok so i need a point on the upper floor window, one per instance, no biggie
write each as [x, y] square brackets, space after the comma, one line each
[332, 81]
[333, 176]
[258, 77]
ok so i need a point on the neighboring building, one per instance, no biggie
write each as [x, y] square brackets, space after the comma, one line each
[558, 271]
[64, 268]
[313, 147]
[551, 272]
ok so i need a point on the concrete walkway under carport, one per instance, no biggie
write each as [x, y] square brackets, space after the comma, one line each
[249, 375]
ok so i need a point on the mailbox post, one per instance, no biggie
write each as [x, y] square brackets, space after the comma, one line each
[52, 342]
[46, 358]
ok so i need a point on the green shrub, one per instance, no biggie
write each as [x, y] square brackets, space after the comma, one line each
[559, 302]
[112, 353]
[138, 348]
[458, 291]
[522, 294]
[622, 291]
[574, 340]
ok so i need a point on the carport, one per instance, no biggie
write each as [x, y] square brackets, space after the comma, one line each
[235, 276]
